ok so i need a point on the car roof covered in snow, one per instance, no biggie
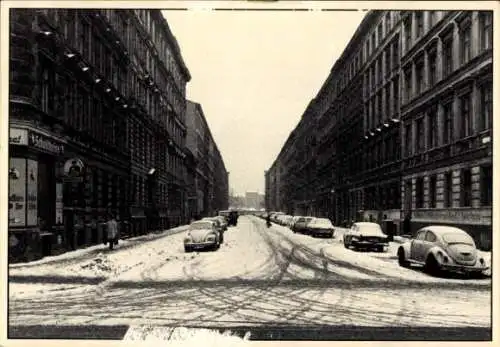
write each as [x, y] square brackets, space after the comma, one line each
[366, 224]
[444, 229]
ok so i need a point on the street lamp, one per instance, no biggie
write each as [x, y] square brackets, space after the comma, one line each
[332, 205]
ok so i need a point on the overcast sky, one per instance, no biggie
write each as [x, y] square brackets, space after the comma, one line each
[254, 73]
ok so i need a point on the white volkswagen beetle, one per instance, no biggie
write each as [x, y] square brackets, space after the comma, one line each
[442, 248]
[202, 234]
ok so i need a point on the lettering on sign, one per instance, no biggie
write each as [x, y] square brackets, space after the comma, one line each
[44, 143]
[454, 215]
[18, 136]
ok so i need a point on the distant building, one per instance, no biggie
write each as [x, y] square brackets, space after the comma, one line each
[252, 200]
[210, 192]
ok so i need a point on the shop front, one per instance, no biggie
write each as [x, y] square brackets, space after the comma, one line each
[477, 222]
[35, 215]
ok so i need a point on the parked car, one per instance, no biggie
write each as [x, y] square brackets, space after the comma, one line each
[223, 222]
[366, 235]
[320, 227]
[442, 248]
[201, 235]
[218, 226]
[293, 221]
[300, 225]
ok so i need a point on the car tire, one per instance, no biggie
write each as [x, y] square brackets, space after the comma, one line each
[346, 244]
[402, 258]
[431, 266]
[380, 249]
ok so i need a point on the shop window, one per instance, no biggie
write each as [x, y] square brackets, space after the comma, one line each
[17, 192]
[466, 188]
[486, 185]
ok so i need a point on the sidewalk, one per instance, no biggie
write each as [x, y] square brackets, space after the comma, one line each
[123, 243]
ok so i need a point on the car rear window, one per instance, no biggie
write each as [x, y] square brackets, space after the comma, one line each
[458, 238]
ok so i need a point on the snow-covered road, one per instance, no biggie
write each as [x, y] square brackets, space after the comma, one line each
[259, 276]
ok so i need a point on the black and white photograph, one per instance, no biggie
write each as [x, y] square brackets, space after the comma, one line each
[232, 172]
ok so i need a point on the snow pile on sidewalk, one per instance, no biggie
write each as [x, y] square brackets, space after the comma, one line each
[181, 336]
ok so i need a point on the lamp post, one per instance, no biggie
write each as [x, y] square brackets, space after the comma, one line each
[332, 205]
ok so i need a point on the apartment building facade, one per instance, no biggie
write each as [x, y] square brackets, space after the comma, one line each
[447, 113]
[403, 126]
[97, 112]
[211, 176]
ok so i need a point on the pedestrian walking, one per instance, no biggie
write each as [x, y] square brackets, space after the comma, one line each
[112, 231]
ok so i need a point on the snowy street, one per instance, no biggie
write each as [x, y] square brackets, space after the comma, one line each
[258, 277]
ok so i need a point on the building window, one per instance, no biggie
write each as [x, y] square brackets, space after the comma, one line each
[408, 84]
[387, 101]
[387, 22]
[448, 189]
[432, 67]
[395, 99]
[47, 78]
[486, 107]
[465, 45]
[408, 142]
[380, 65]
[419, 20]
[419, 71]
[447, 56]
[432, 192]
[420, 135]
[433, 127]
[379, 33]
[407, 30]
[387, 58]
[419, 192]
[465, 108]
[448, 123]
[433, 18]
[466, 184]
[374, 41]
[486, 185]
[486, 29]
[395, 52]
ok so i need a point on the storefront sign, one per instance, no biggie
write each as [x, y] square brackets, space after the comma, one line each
[32, 193]
[17, 192]
[45, 143]
[18, 136]
[474, 216]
